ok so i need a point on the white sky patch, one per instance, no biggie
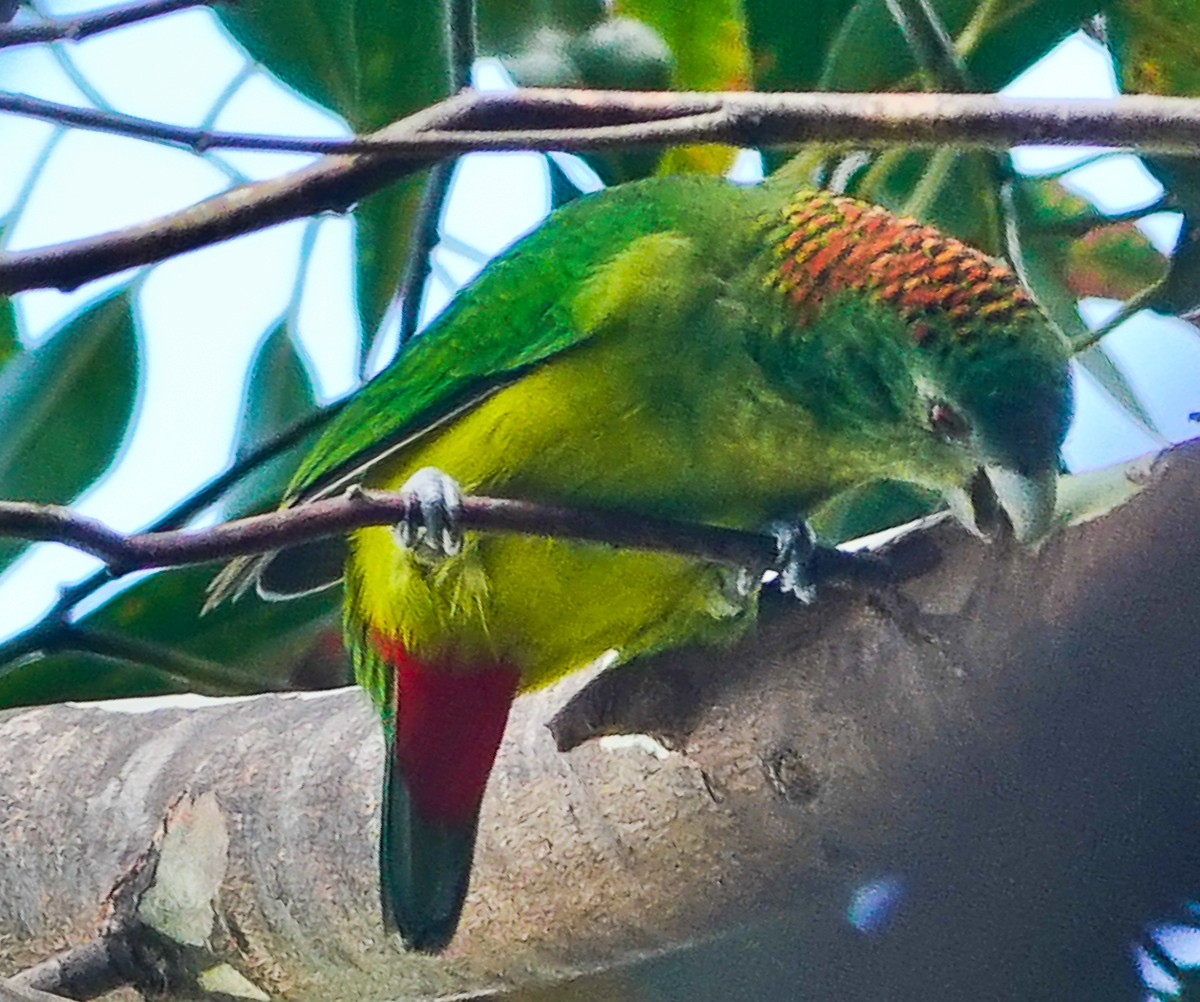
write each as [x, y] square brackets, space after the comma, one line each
[1078, 67]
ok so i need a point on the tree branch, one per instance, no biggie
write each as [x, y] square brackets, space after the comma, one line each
[357, 509]
[73, 29]
[580, 120]
[550, 120]
[1008, 751]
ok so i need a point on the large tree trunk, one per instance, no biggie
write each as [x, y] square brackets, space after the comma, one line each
[1006, 752]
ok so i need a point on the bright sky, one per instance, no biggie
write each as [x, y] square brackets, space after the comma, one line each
[204, 313]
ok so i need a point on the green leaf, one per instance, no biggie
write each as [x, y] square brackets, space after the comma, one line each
[65, 405]
[868, 51]
[248, 647]
[954, 190]
[707, 39]
[1115, 261]
[847, 46]
[1049, 221]
[1103, 368]
[511, 27]
[384, 226]
[309, 44]
[1017, 35]
[10, 341]
[403, 58]
[1155, 42]
[996, 41]
[788, 52]
[278, 393]
[1048, 218]
[368, 60]
[371, 61]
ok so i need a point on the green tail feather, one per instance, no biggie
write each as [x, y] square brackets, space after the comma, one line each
[424, 868]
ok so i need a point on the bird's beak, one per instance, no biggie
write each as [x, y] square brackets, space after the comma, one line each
[1027, 500]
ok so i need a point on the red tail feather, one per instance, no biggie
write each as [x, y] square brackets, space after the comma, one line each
[449, 722]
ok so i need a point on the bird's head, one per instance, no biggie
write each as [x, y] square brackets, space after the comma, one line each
[925, 358]
[996, 404]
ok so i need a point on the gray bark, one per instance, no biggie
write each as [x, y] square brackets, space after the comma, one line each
[1010, 744]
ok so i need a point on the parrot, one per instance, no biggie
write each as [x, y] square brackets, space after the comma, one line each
[680, 347]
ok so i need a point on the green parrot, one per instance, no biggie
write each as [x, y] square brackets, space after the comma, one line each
[679, 347]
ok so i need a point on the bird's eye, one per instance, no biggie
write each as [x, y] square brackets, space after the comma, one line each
[946, 422]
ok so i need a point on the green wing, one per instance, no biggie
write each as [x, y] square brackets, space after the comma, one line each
[515, 315]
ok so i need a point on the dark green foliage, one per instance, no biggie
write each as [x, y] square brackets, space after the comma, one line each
[278, 393]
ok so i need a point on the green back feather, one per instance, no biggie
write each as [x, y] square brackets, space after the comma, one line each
[517, 314]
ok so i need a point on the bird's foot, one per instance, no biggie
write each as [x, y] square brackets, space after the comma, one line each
[794, 549]
[431, 527]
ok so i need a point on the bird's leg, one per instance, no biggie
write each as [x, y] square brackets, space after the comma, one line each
[431, 527]
[794, 548]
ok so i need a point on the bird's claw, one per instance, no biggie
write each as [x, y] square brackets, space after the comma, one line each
[794, 547]
[431, 527]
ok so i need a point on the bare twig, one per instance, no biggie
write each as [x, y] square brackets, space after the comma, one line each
[359, 508]
[577, 120]
[555, 119]
[73, 29]
[331, 184]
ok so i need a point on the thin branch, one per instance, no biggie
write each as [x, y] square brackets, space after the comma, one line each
[580, 120]
[589, 120]
[465, 250]
[72, 29]
[200, 675]
[178, 516]
[360, 508]
[66, 61]
[21, 202]
[196, 139]
[1129, 308]
[330, 184]
[228, 93]
[296, 299]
